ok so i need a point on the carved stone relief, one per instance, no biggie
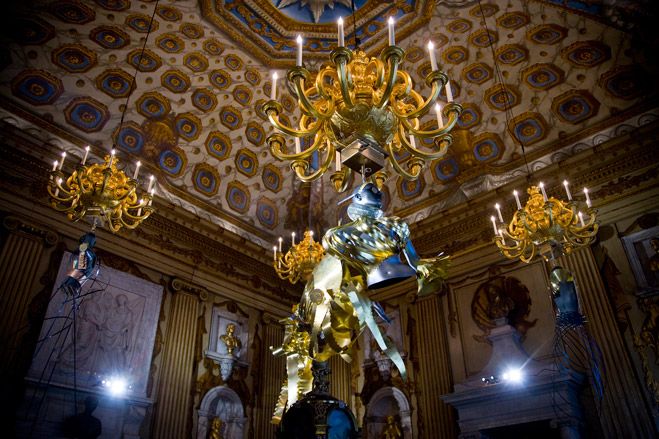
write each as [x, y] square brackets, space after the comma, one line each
[223, 403]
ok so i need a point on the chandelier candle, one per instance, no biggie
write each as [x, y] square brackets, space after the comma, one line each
[62, 162]
[542, 189]
[438, 111]
[433, 59]
[84, 158]
[112, 153]
[152, 181]
[449, 92]
[297, 145]
[137, 169]
[581, 219]
[494, 224]
[498, 208]
[55, 165]
[341, 36]
[585, 191]
[273, 90]
[567, 190]
[519, 205]
[292, 238]
[392, 36]
[299, 51]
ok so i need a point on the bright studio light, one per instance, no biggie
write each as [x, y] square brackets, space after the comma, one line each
[117, 386]
[513, 375]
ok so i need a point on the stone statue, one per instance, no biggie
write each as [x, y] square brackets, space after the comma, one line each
[391, 430]
[498, 304]
[230, 340]
[216, 429]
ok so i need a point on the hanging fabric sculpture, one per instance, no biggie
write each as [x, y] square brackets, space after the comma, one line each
[334, 309]
[574, 349]
[84, 265]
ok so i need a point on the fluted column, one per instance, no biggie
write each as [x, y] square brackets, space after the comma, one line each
[340, 379]
[273, 374]
[434, 377]
[20, 258]
[175, 387]
[623, 413]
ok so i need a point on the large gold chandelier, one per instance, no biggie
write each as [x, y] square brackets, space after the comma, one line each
[101, 191]
[300, 260]
[361, 112]
[545, 225]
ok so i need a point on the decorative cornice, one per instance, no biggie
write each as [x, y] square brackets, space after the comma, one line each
[613, 169]
[15, 224]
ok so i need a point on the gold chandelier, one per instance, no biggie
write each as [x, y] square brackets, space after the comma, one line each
[300, 260]
[361, 113]
[101, 191]
[548, 226]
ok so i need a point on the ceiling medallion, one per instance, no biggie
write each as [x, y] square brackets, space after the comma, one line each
[360, 112]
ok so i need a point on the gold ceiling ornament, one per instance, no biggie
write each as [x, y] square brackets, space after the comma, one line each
[300, 260]
[546, 225]
[101, 191]
[361, 112]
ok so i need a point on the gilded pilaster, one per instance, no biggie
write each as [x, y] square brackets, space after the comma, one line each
[341, 379]
[434, 371]
[622, 413]
[273, 373]
[172, 413]
[20, 260]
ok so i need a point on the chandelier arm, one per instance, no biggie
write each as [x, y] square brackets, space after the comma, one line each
[391, 80]
[276, 141]
[274, 120]
[391, 55]
[300, 170]
[394, 163]
[445, 141]
[454, 115]
[436, 80]
[345, 82]
[320, 84]
[306, 104]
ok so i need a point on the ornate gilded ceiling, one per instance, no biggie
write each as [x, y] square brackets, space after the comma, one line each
[194, 115]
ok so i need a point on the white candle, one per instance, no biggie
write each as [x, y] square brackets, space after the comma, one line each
[297, 145]
[55, 164]
[503, 240]
[438, 111]
[292, 238]
[59, 183]
[299, 50]
[519, 205]
[449, 92]
[341, 37]
[273, 90]
[137, 169]
[498, 208]
[84, 158]
[112, 153]
[494, 224]
[567, 190]
[311, 233]
[412, 141]
[62, 162]
[274, 250]
[280, 241]
[392, 36]
[581, 219]
[151, 183]
[542, 188]
[153, 192]
[433, 59]
[585, 191]
[337, 163]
